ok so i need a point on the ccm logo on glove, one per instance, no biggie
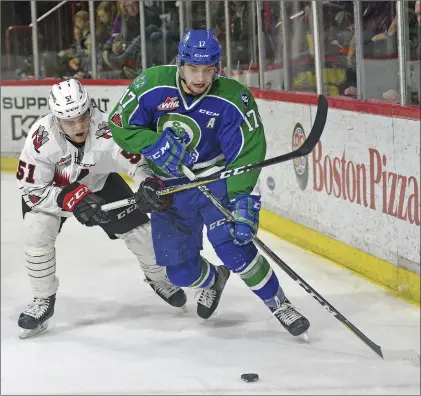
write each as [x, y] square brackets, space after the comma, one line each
[85, 205]
[72, 198]
[169, 154]
[162, 150]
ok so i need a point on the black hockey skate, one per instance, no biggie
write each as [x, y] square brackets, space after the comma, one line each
[209, 298]
[34, 319]
[295, 323]
[171, 294]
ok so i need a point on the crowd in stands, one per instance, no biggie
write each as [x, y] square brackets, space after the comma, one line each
[119, 50]
[118, 40]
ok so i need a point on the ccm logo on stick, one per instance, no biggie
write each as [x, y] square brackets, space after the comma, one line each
[234, 172]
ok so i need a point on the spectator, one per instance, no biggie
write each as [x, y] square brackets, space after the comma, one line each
[126, 55]
[130, 25]
[58, 65]
[82, 65]
[81, 33]
[125, 61]
[108, 23]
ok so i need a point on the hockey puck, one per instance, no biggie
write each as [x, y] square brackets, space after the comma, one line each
[250, 377]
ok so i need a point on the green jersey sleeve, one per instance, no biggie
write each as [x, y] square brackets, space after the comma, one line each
[242, 139]
[131, 120]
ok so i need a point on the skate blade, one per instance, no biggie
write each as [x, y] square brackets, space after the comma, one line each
[32, 332]
[304, 337]
[406, 354]
[184, 309]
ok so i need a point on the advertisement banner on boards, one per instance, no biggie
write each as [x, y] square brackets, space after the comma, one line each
[22, 106]
[357, 186]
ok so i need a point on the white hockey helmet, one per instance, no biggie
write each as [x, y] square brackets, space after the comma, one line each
[69, 99]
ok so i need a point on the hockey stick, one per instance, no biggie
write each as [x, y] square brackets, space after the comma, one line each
[304, 149]
[383, 353]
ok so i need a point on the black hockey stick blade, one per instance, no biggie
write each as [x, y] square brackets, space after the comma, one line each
[402, 354]
[317, 128]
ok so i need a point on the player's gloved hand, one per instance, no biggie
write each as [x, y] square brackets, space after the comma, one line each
[169, 153]
[85, 205]
[245, 209]
[146, 198]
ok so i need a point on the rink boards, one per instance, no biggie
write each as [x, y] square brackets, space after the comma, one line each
[354, 199]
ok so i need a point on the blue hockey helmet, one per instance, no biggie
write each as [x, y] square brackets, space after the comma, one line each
[199, 47]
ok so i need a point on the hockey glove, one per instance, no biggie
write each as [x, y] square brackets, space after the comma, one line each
[146, 198]
[169, 153]
[245, 209]
[85, 205]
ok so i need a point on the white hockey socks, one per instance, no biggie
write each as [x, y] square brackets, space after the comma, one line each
[41, 266]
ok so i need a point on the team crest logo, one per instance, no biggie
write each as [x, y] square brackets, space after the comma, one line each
[103, 131]
[140, 81]
[116, 118]
[186, 130]
[169, 104]
[245, 99]
[39, 137]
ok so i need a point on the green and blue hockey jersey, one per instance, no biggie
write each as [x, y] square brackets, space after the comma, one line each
[223, 124]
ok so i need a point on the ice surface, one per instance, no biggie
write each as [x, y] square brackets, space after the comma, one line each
[110, 334]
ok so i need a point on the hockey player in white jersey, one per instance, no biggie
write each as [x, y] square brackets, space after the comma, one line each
[69, 166]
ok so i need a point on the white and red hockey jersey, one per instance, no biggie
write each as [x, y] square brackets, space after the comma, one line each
[49, 161]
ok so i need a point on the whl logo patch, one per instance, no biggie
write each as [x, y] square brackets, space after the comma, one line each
[65, 160]
[103, 131]
[116, 118]
[169, 104]
[39, 137]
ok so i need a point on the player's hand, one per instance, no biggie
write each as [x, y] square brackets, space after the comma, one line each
[85, 205]
[146, 198]
[245, 209]
[169, 153]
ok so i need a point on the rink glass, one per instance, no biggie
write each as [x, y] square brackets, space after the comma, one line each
[269, 45]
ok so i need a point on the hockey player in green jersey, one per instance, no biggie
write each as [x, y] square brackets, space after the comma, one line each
[189, 115]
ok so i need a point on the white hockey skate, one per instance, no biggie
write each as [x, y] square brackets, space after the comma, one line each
[34, 319]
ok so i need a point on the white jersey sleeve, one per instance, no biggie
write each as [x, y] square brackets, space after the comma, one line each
[36, 167]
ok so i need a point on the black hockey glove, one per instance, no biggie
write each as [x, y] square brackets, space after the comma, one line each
[85, 205]
[146, 198]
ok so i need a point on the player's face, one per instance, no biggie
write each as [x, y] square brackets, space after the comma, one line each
[77, 128]
[197, 78]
